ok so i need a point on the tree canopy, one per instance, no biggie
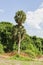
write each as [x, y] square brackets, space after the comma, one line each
[20, 17]
[30, 44]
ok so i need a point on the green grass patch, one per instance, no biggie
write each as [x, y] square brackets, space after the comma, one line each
[17, 57]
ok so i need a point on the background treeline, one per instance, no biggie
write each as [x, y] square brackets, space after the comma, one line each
[31, 45]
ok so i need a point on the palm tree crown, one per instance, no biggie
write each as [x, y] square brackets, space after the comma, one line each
[20, 17]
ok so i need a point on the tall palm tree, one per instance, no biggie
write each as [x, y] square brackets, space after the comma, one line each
[20, 18]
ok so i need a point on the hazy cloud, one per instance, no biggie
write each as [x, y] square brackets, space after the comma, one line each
[41, 6]
[1, 11]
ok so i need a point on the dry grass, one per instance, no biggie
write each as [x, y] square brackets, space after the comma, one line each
[5, 61]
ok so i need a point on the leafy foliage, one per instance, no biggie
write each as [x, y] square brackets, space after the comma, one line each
[20, 17]
[33, 46]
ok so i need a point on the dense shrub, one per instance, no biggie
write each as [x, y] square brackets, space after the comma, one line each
[30, 45]
[1, 48]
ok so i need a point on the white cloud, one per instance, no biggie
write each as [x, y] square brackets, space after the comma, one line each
[35, 18]
[34, 22]
[1, 11]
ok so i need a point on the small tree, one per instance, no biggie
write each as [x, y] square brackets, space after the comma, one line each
[19, 30]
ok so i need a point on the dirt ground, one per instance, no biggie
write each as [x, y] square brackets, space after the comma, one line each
[5, 61]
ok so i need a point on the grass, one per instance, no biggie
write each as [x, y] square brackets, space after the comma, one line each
[22, 58]
[32, 63]
[19, 60]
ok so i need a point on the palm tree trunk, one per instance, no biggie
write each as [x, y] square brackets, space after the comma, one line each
[19, 41]
[19, 47]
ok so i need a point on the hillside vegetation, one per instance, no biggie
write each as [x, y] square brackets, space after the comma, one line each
[31, 45]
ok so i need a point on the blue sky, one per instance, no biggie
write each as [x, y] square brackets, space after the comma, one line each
[33, 10]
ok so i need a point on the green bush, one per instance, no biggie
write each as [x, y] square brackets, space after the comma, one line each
[17, 57]
[1, 48]
[15, 47]
[30, 53]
